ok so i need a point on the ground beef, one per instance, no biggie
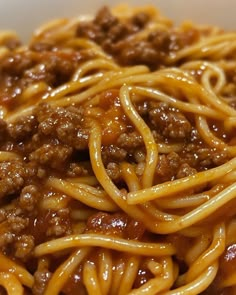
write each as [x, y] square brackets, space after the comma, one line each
[97, 30]
[29, 197]
[20, 69]
[47, 224]
[185, 170]
[139, 155]
[140, 19]
[10, 89]
[6, 239]
[41, 278]
[17, 223]
[33, 172]
[201, 157]
[54, 68]
[24, 246]
[130, 140]
[23, 127]
[113, 153]
[12, 177]
[11, 70]
[15, 64]
[167, 41]
[113, 171]
[141, 52]
[104, 19]
[76, 169]
[117, 37]
[170, 123]
[210, 158]
[167, 167]
[64, 124]
[113, 35]
[59, 223]
[117, 224]
[153, 50]
[52, 155]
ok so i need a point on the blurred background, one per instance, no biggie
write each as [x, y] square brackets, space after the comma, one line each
[24, 16]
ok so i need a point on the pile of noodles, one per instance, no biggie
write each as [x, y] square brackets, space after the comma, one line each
[170, 209]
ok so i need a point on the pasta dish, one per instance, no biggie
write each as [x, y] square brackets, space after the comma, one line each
[118, 157]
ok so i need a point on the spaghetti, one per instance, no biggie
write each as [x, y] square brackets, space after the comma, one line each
[117, 157]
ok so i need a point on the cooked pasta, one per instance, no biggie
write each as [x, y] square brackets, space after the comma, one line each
[118, 157]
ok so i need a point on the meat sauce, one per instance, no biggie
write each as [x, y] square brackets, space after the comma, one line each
[116, 38]
[53, 141]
